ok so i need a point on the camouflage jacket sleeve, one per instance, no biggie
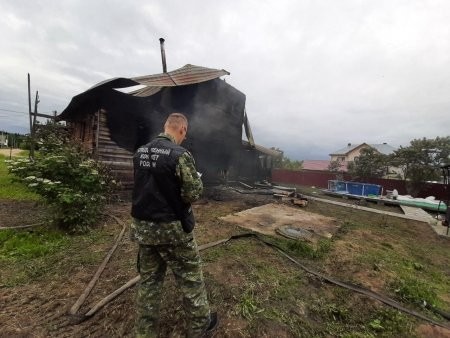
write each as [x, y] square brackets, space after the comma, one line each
[191, 184]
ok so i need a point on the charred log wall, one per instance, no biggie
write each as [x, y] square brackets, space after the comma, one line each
[115, 157]
[215, 111]
[93, 133]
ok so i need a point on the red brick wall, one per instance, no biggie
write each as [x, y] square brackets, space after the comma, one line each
[320, 180]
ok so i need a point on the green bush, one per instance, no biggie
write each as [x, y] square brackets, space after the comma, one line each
[74, 185]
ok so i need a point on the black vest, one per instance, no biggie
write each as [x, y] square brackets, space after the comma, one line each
[157, 191]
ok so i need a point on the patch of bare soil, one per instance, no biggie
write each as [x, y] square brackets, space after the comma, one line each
[426, 330]
[20, 213]
[268, 218]
[9, 151]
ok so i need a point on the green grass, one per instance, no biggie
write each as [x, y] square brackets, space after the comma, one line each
[31, 254]
[248, 305]
[30, 244]
[304, 249]
[310, 251]
[11, 190]
[388, 322]
[413, 276]
[27, 256]
[414, 290]
[413, 273]
[274, 293]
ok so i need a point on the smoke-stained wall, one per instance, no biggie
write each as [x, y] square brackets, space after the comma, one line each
[215, 111]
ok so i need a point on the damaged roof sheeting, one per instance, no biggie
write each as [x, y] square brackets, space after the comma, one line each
[214, 108]
[189, 74]
[186, 75]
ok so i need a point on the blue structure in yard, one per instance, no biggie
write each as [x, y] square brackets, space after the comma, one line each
[355, 188]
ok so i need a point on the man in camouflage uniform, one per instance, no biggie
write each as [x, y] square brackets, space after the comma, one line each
[166, 183]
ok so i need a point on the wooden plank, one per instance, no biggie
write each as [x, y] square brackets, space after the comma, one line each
[113, 147]
[44, 115]
[106, 142]
[112, 151]
[118, 164]
[113, 156]
[104, 131]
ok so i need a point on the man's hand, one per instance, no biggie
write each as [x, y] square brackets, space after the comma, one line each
[191, 184]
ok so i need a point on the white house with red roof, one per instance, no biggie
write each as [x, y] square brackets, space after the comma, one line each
[346, 155]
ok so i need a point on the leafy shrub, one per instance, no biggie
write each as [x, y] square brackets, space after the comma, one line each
[74, 185]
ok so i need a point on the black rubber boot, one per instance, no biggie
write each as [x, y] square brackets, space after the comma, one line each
[214, 322]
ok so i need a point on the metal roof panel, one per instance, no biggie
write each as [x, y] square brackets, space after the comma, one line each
[189, 74]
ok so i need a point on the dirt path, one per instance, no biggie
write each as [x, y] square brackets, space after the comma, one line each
[9, 151]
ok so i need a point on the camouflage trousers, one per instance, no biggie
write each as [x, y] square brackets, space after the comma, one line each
[184, 261]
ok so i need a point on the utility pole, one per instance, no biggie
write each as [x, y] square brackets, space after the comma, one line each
[29, 110]
[33, 126]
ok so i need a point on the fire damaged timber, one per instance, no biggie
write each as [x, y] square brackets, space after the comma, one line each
[112, 124]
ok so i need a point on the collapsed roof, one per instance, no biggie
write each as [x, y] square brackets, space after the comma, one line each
[215, 110]
[189, 74]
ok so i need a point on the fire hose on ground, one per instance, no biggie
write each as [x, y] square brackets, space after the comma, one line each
[78, 318]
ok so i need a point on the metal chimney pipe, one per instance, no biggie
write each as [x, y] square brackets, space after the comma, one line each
[163, 55]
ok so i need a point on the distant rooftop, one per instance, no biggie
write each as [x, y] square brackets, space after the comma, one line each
[320, 165]
[382, 148]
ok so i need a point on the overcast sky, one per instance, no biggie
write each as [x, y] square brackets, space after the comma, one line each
[317, 74]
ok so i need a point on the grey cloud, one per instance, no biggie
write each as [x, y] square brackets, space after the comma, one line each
[317, 74]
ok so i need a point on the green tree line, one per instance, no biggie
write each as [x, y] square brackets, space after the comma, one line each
[284, 162]
[15, 140]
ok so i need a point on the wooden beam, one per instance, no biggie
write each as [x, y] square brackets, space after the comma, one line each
[45, 115]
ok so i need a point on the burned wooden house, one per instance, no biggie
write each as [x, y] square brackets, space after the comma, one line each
[112, 124]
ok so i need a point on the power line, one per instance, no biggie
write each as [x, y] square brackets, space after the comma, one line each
[17, 112]
[13, 111]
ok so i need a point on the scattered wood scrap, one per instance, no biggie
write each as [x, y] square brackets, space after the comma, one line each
[245, 185]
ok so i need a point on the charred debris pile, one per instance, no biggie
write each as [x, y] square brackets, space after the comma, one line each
[283, 194]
